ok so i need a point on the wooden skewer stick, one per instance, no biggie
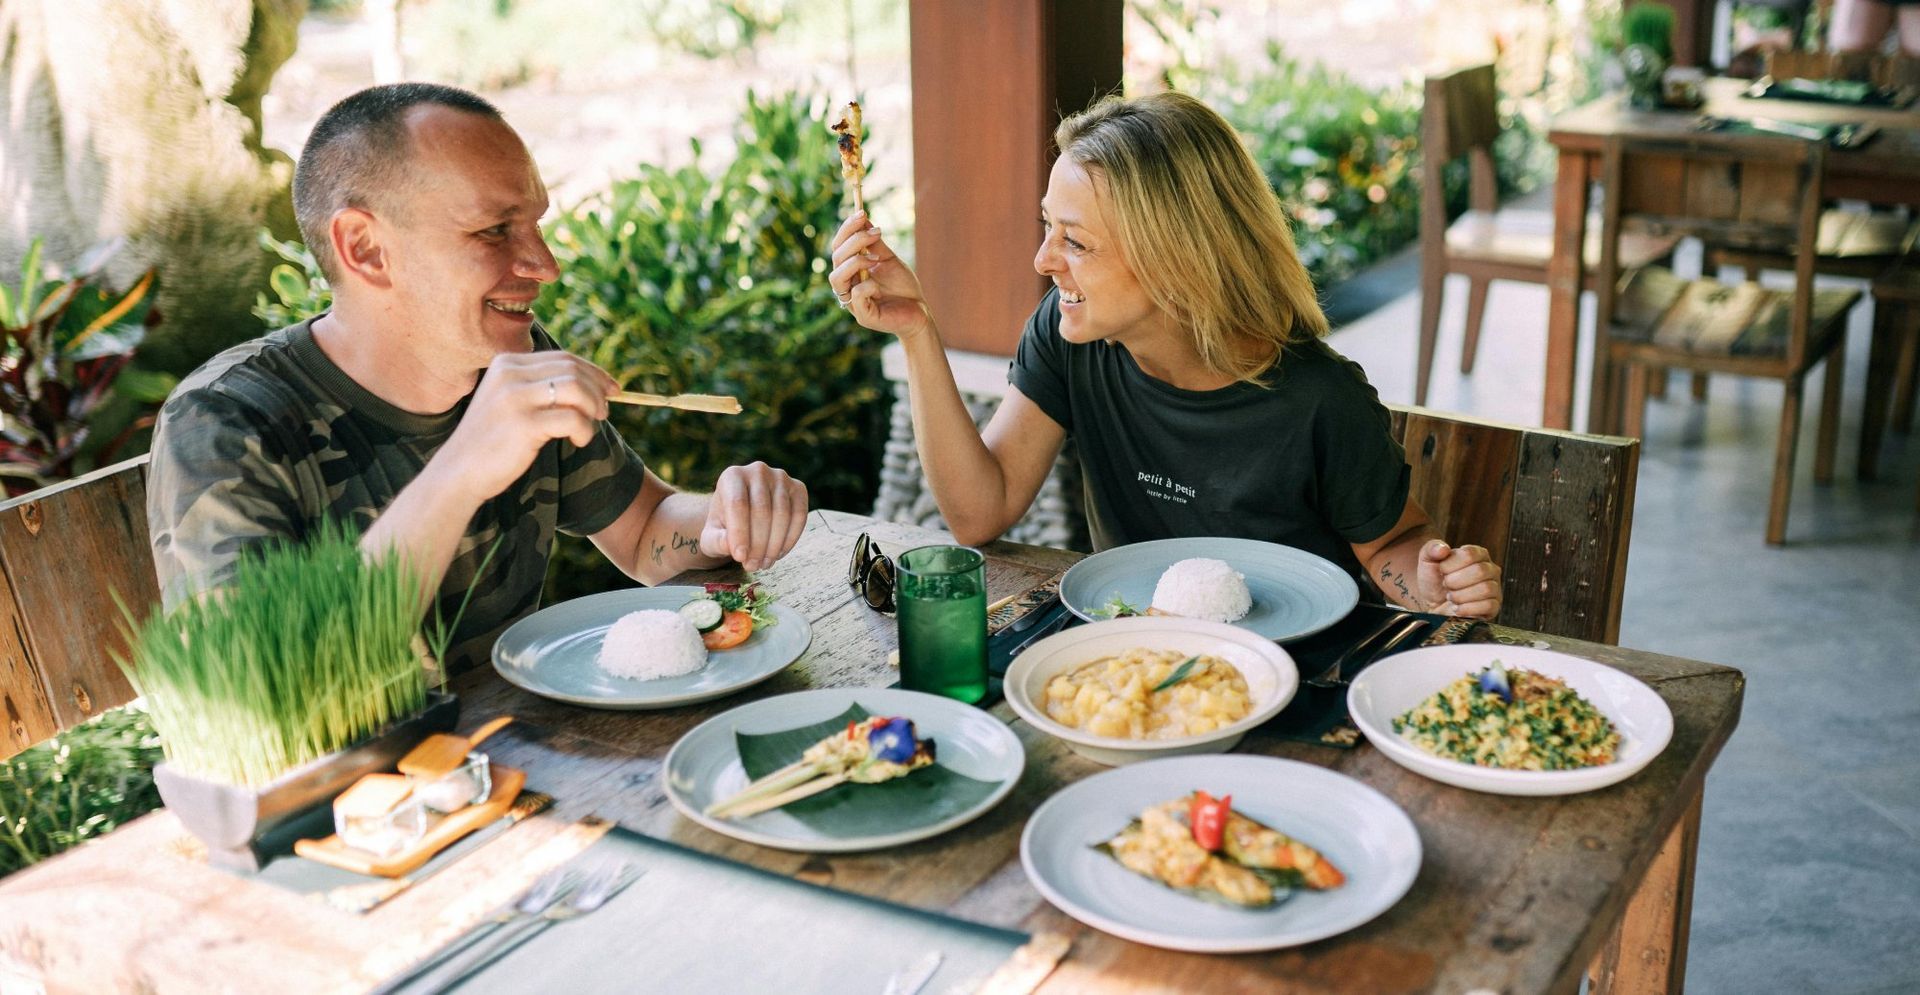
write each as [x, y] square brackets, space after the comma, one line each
[784, 798]
[719, 404]
[771, 784]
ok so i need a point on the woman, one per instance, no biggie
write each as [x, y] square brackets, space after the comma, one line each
[1861, 25]
[1181, 347]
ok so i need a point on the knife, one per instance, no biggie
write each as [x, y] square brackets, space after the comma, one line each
[910, 979]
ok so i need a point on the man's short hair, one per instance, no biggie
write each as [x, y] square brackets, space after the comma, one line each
[357, 156]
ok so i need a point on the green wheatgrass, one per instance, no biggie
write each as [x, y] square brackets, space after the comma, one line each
[306, 650]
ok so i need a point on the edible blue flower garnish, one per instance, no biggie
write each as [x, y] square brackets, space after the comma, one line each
[1493, 680]
[892, 741]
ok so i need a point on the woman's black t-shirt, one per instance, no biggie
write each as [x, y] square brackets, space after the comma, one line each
[1306, 460]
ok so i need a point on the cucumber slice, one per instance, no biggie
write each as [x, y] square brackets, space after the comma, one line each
[705, 614]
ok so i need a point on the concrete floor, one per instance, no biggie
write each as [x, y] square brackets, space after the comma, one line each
[1807, 878]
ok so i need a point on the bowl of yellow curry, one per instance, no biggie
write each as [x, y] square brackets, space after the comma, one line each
[1153, 686]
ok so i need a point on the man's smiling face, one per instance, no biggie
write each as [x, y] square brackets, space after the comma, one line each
[465, 253]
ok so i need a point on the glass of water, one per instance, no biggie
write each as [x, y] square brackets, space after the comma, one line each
[942, 595]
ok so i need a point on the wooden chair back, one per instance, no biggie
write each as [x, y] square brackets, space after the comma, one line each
[1459, 117]
[1752, 192]
[1555, 509]
[65, 551]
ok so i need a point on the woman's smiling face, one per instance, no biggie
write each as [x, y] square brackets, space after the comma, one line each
[1099, 297]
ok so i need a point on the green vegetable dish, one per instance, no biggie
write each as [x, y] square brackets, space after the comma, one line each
[1519, 720]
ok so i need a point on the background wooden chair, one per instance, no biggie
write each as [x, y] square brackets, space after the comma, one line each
[1852, 242]
[1893, 363]
[64, 551]
[1488, 242]
[1757, 192]
[1554, 508]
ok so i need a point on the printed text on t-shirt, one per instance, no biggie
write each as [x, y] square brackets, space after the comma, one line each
[1165, 488]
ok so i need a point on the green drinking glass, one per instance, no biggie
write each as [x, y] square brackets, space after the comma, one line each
[942, 595]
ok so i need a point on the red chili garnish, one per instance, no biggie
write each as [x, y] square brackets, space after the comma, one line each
[1207, 816]
[850, 724]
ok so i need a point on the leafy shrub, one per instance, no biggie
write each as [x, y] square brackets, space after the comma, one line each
[65, 405]
[78, 785]
[1344, 158]
[300, 289]
[715, 281]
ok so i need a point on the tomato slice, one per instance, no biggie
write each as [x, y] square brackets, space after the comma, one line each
[733, 630]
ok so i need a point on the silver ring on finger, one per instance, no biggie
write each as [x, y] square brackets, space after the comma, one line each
[553, 394]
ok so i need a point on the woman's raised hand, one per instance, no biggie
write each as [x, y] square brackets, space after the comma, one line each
[888, 299]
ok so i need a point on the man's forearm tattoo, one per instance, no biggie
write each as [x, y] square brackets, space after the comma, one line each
[1399, 581]
[680, 542]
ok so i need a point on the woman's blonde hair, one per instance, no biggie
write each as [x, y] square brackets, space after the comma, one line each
[1199, 227]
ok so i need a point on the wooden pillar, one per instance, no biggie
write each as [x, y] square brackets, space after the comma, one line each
[1692, 32]
[991, 78]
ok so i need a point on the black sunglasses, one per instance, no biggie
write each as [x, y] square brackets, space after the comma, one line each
[871, 573]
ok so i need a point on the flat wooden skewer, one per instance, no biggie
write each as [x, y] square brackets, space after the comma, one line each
[719, 404]
[755, 806]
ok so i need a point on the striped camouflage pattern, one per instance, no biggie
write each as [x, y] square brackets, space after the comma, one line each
[270, 438]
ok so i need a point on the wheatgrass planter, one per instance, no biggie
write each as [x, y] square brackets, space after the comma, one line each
[246, 827]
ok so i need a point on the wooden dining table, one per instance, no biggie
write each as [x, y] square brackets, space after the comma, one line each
[1884, 170]
[1513, 894]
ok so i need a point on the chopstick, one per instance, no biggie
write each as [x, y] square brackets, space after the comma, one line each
[719, 404]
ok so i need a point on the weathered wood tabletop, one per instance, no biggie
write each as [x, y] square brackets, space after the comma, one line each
[1514, 894]
[1886, 170]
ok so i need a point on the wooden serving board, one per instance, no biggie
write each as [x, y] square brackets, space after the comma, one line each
[507, 782]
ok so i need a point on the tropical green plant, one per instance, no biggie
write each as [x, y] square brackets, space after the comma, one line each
[80, 784]
[67, 344]
[713, 280]
[309, 648]
[1341, 156]
[300, 289]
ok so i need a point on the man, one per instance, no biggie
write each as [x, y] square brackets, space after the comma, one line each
[427, 408]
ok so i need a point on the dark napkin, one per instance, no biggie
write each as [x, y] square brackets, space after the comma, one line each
[1319, 715]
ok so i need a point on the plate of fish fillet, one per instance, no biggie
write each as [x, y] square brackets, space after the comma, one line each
[1221, 853]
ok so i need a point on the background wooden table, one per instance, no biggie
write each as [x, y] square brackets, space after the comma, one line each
[1884, 171]
[1514, 894]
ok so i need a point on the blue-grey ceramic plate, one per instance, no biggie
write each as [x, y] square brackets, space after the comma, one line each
[1363, 833]
[1295, 593]
[704, 766]
[554, 652]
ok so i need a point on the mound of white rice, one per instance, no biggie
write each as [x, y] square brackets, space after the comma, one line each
[651, 644]
[1203, 588]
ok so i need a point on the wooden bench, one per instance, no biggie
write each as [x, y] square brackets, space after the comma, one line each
[65, 551]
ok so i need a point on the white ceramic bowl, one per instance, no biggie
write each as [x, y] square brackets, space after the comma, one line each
[1398, 683]
[1269, 672]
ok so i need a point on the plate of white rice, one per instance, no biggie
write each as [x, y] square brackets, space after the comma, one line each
[630, 649]
[1276, 591]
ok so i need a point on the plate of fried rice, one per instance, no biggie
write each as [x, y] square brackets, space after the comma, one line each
[1276, 591]
[1509, 720]
[631, 649]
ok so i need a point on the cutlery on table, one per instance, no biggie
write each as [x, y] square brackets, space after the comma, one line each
[599, 888]
[543, 893]
[910, 979]
[1334, 676]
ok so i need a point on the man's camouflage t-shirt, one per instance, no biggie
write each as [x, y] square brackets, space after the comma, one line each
[270, 438]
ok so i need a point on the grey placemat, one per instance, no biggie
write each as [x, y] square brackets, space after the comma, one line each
[695, 923]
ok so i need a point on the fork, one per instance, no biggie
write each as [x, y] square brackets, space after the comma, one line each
[545, 892]
[599, 888]
[1332, 677]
